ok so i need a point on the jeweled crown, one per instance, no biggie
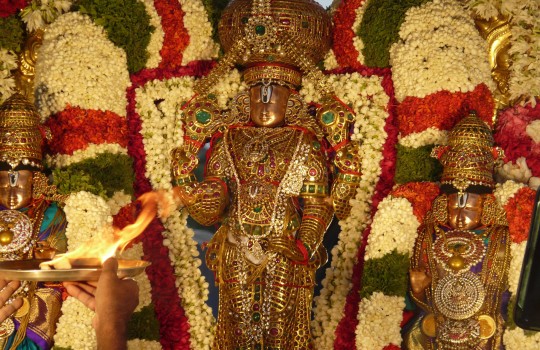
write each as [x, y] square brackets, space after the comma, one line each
[279, 39]
[469, 158]
[20, 135]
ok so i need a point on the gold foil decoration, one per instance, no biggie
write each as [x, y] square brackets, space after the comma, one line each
[496, 31]
[24, 76]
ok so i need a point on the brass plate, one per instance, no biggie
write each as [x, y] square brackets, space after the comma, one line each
[28, 270]
[487, 326]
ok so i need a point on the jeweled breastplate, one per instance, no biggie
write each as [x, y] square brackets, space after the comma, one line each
[465, 296]
[265, 163]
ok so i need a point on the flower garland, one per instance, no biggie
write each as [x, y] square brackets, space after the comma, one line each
[518, 134]
[80, 155]
[176, 35]
[389, 247]
[42, 12]
[174, 325]
[518, 202]
[201, 45]
[369, 99]
[156, 38]
[347, 45]
[443, 109]
[436, 37]
[429, 136]
[7, 64]
[68, 73]
[74, 129]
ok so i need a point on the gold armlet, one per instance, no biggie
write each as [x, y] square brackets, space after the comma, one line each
[344, 189]
[314, 189]
[211, 199]
[315, 221]
[335, 118]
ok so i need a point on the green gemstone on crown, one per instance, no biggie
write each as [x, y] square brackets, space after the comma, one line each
[260, 29]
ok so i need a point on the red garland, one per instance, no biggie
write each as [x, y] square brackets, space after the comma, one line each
[10, 7]
[443, 109]
[174, 326]
[176, 35]
[126, 216]
[420, 194]
[343, 46]
[345, 335]
[519, 211]
[75, 128]
[511, 135]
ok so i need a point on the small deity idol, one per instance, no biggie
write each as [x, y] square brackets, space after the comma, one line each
[32, 226]
[267, 180]
[459, 270]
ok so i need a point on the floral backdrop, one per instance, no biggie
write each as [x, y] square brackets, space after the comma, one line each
[111, 76]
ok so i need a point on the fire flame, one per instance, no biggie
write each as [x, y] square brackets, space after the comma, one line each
[101, 251]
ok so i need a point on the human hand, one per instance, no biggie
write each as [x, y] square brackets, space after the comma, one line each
[113, 299]
[7, 288]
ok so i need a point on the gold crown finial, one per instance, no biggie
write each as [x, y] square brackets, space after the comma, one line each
[469, 158]
[20, 135]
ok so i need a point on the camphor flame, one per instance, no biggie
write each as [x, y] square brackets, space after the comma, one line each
[93, 251]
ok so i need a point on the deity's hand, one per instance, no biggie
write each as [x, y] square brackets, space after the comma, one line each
[288, 247]
[7, 288]
[420, 280]
[183, 197]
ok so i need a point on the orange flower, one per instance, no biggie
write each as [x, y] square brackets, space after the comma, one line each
[519, 214]
[420, 194]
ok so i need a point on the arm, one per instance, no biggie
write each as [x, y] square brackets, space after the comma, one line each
[113, 300]
[318, 211]
[205, 201]
[347, 181]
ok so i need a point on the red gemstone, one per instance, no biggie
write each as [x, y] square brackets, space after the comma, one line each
[286, 21]
[217, 166]
[256, 307]
[312, 172]
[238, 331]
[260, 171]
[274, 332]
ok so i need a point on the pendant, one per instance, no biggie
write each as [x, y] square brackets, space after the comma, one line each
[6, 328]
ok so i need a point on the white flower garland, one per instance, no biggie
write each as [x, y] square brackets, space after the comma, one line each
[8, 62]
[192, 286]
[436, 38]
[72, 72]
[357, 41]
[394, 227]
[368, 100]
[74, 328]
[380, 321]
[201, 45]
[141, 344]
[430, 136]
[504, 192]
[92, 151]
[40, 12]
[330, 61]
[156, 38]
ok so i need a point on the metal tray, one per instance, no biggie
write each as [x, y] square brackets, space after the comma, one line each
[28, 270]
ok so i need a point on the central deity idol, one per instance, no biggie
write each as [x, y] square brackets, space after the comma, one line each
[269, 181]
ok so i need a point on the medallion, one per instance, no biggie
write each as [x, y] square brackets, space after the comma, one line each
[15, 231]
[459, 296]
[6, 328]
[458, 250]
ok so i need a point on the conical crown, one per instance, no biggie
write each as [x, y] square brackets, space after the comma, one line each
[469, 159]
[20, 136]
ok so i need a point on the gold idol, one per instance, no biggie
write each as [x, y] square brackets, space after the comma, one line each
[267, 181]
[459, 269]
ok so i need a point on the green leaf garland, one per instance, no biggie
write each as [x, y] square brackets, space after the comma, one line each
[416, 165]
[388, 275]
[11, 33]
[127, 24]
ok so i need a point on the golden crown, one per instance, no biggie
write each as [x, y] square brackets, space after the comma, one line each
[20, 135]
[277, 40]
[469, 158]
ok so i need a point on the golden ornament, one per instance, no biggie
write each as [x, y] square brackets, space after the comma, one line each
[487, 326]
[429, 325]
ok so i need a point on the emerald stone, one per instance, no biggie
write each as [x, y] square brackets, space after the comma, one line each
[257, 230]
[337, 137]
[316, 144]
[256, 316]
[260, 30]
[203, 116]
[245, 20]
[311, 189]
[328, 117]
[257, 209]
[305, 24]
[350, 116]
